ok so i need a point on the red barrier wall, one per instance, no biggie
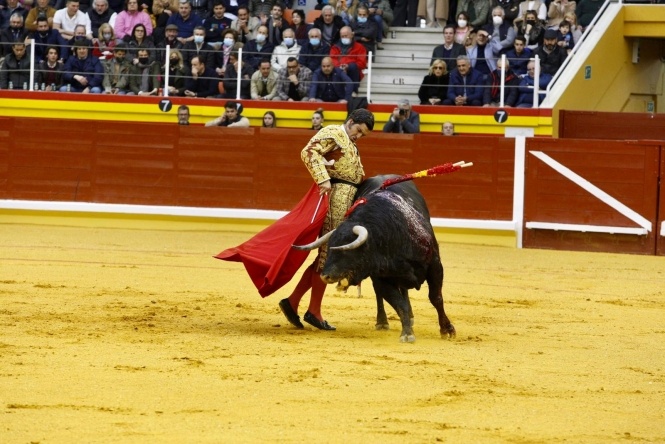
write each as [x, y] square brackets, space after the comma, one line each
[660, 229]
[614, 126]
[248, 168]
[627, 171]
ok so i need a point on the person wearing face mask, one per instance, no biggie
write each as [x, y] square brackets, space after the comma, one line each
[117, 72]
[229, 45]
[314, 50]
[198, 48]
[44, 37]
[365, 30]
[500, 31]
[139, 40]
[67, 48]
[257, 49]
[104, 43]
[477, 11]
[177, 74]
[43, 9]
[532, 30]
[538, 6]
[15, 33]
[350, 56]
[462, 30]
[11, 7]
[551, 55]
[145, 77]
[287, 49]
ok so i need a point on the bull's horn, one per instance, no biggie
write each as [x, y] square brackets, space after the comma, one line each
[316, 244]
[361, 239]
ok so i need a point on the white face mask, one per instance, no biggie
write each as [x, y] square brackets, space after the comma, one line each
[497, 20]
[288, 41]
[260, 38]
[346, 42]
[198, 39]
[461, 23]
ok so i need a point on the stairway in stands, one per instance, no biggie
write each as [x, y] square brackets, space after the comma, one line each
[398, 70]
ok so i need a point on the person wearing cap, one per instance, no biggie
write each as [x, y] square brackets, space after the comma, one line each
[170, 39]
[551, 55]
[83, 73]
[403, 120]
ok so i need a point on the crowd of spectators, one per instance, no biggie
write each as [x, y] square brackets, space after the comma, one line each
[119, 47]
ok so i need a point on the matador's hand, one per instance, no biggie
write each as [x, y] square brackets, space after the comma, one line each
[324, 187]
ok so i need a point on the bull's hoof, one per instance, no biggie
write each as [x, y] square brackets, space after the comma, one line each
[407, 338]
[448, 332]
[380, 326]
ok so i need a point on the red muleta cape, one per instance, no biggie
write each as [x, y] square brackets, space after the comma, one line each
[268, 257]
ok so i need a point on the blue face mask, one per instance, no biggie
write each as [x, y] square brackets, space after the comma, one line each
[288, 41]
[198, 39]
[228, 42]
[314, 42]
[346, 42]
[260, 38]
[362, 19]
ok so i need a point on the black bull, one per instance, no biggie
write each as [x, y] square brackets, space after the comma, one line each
[389, 239]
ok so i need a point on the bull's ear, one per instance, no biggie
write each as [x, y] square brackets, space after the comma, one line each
[362, 234]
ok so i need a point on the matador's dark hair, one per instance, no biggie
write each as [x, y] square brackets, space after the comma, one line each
[361, 116]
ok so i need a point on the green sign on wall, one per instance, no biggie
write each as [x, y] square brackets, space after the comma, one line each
[587, 72]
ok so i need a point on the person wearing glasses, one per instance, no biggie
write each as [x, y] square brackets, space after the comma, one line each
[466, 85]
[435, 84]
[129, 18]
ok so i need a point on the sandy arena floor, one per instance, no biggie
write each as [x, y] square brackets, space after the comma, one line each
[129, 331]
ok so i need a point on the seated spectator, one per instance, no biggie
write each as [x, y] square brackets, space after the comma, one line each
[43, 9]
[67, 48]
[329, 24]
[276, 24]
[350, 56]
[15, 68]
[185, 21]
[269, 120]
[466, 85]
[9, 8]
[448, 129]
[537, 6]
[198, 48]
[551, 55]
[264, 82]
[232, 116]
[365, 31]
[229, 45]
[463, 28]
[170, 40]
[183, 115]
[50, 70]
[100, 14]
[586, 11]
[403, 120]
[203, 81]
[300, 28]
[574, 27]
[434, 87]
[449, 50]
[117, 72]
[83, 73]
[14, 33]
[525, 97]
[478, 12]
[66, 19]
[258, 49]
[511, 9]
[557, 11]
[245, 25]
[139, 40]
[330, 84]
[484, 53]
[317, 119]
[162, 10]
[177, 74]
[492, 93]
[216, 24]
[313, 51]
[382, 13]
[230, 81]
[102, 46]
[564, 37]
[145, 75]
[260, 8]
[130, 18]
[287, 49]
[500, 31]
[293, 82]
[532, 30]
[519, 56]
[43, 38]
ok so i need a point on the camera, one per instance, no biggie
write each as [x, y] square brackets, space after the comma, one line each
[402, 112]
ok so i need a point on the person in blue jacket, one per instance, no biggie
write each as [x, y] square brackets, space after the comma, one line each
[466, 85]
[83, 73]
[525, 98]
[330, 84]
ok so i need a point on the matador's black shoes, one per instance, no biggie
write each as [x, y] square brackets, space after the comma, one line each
[290, 314]
[313, 321]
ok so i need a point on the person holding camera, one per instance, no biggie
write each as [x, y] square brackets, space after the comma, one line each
[403, 120]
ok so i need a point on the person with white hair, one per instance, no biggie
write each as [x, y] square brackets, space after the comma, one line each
[403, 120]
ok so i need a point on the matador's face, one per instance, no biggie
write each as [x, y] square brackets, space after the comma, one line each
[356, 131]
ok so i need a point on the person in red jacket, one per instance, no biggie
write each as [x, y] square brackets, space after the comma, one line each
[350, 56]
